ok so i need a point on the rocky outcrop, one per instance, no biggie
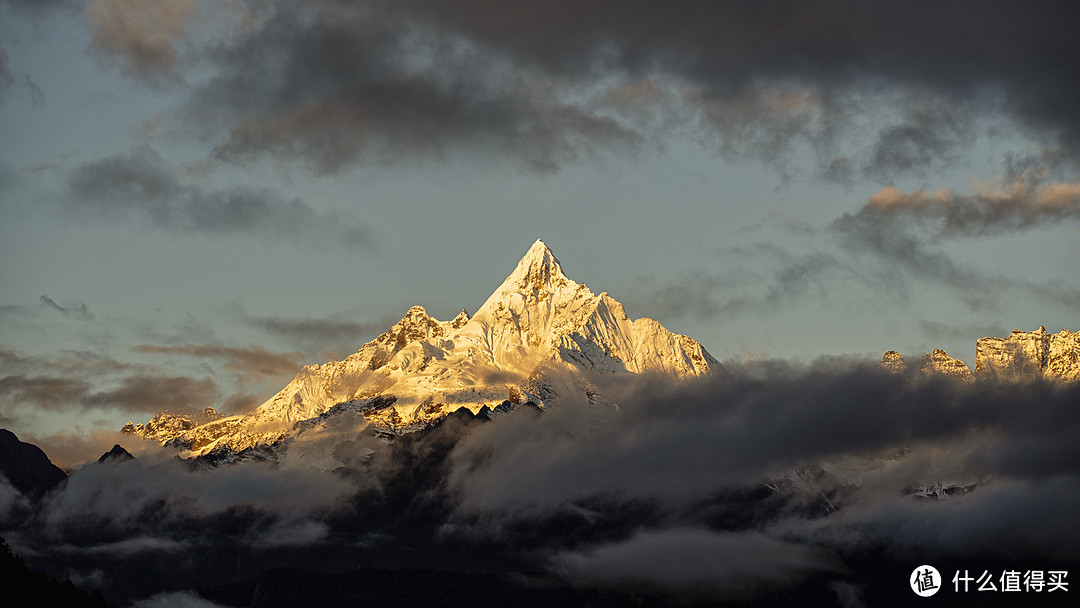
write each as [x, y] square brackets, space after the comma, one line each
[1021, 357]
[166, 425]
[893, 362]
[939, 363]
[1028, 355]
[1063, 360]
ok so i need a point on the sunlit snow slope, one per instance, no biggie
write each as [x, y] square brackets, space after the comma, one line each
[536, 323]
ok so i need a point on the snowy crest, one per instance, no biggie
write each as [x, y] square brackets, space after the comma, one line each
[538, 321]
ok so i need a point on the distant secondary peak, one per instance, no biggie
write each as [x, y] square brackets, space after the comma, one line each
[117, 453]
[415, 325]
[893, 361]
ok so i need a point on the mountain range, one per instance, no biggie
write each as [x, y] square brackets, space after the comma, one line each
[536, 340]
[550, 449]
[1023, 356]
[533, 341]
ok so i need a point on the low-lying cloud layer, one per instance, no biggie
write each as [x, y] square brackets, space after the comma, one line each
[681, 443]
[782, 476]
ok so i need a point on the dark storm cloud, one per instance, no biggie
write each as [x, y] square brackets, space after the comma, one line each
[1026, 518]
[74, 311]
[149, 504]
[138, 184]
[251, 364]
[932, 137]
[840, 447]
[676, 444]
[867, 438]
[957, 50]
[335, 83]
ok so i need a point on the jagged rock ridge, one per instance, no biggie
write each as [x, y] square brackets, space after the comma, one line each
[1021, 356]
[893, 361]
[1025, 355]
[536, 323]
[940, 363]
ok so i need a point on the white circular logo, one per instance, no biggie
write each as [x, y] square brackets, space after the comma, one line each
[925, 581]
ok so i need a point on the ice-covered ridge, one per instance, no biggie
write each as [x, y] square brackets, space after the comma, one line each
[537, 321]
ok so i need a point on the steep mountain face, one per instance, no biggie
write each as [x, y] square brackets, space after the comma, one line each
[1026, 355]
[537, 323]
[1063, 362]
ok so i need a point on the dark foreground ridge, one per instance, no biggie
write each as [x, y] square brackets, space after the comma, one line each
[19, 586]
[27, 467]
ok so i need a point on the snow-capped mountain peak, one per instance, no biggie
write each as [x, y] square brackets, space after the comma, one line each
[538, 270]
[537, 321]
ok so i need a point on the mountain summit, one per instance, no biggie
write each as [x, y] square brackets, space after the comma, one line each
[536, 324]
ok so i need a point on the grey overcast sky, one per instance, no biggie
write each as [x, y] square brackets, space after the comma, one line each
[197, 197]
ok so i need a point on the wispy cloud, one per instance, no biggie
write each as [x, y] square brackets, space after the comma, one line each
[77, 310]
[141, 34]
[1023, 201]
[252, 363]
[887, 249]
[138, 185]
[334, 337]
[82, 382]
[697, 559]
[12, 82]
[679, 443]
